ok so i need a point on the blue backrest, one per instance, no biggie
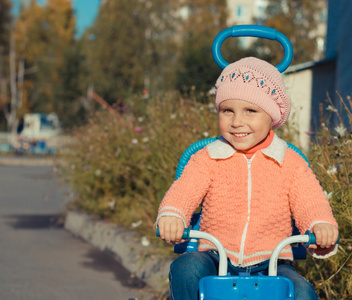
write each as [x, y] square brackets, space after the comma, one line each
[299, 251]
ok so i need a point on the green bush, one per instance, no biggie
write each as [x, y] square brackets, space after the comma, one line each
[120, 167]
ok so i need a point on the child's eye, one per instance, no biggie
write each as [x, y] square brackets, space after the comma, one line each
[251, 111]
[227, 110]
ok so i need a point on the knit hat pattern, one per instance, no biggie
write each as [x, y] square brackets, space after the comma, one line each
[258, 82]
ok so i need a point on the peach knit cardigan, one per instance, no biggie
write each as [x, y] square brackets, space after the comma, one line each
[248, 203]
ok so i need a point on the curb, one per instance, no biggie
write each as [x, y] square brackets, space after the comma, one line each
[124, 244]
[25, 161]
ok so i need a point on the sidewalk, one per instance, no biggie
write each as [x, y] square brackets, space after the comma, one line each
[130, 249]
[125, 245]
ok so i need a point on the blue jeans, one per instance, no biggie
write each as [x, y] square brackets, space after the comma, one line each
[189, 268]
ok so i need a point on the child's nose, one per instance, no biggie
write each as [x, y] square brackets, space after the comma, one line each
[237, 121]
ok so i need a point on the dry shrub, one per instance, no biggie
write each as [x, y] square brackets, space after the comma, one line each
[331, 161]
[121, 165]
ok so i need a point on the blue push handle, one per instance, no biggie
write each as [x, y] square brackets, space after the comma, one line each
[312, 239]
[185, 235]
[253, 31]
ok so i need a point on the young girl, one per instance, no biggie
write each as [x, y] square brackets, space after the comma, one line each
[250, 183]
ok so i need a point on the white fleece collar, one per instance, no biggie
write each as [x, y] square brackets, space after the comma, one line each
[221, 149]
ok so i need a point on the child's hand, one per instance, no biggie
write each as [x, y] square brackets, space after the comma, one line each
[325, 234]
[171, 229]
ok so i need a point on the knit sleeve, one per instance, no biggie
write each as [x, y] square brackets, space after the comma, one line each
[308, 202]
[186, 193]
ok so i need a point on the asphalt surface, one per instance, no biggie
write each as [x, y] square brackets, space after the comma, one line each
[41, 260]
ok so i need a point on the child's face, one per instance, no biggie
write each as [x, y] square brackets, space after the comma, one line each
[243, 124]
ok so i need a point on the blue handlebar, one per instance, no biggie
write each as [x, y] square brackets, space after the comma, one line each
[311, 235]
[252, 31]
[312, 239]
[185, 235]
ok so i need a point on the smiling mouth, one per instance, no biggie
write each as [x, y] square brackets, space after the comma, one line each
[240, 134]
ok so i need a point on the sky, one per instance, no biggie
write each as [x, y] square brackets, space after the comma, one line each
[85, 11]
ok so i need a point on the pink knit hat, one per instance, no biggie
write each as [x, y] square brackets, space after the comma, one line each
[258, 82]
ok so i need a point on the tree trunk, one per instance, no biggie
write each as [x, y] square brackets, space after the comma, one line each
[11, 119]
[3, 84]
[21, 71]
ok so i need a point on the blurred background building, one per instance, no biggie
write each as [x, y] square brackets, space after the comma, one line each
[255, 12]
[317, 87]
[247, 12]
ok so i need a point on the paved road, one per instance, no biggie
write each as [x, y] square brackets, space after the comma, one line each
[38, 258]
